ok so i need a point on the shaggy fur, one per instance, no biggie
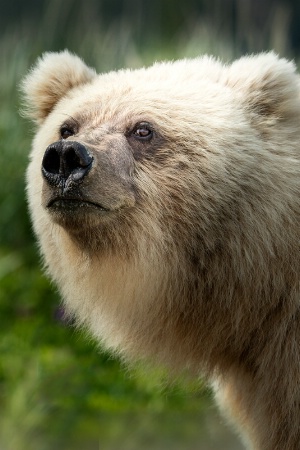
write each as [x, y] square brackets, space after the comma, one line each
[195, 263]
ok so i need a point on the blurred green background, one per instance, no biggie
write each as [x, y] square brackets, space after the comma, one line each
[57, 389]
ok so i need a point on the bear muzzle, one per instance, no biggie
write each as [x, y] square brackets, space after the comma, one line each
[65, 164]
[80, 181]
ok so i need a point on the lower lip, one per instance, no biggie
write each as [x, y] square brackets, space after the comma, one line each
[74, 205]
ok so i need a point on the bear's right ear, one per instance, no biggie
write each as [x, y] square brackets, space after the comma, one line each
[50, 79]
[268, 87]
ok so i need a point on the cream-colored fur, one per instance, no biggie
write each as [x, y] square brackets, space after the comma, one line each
[201, 270]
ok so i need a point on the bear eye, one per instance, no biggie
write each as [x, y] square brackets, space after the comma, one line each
[143, 132]
[66, 132]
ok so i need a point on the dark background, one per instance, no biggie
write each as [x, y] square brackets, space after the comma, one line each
[248, 24]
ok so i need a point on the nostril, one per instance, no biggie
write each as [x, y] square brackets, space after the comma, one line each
[78, 156]
[51, 161]
[72, 160]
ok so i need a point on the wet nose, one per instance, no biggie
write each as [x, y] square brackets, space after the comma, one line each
[66, 161]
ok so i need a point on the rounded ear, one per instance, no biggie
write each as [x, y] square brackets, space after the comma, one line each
[267, 85]
[50, 79]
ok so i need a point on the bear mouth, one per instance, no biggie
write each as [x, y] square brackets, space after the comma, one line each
[61, 204]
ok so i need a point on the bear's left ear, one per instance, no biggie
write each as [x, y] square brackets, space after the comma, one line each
[50, 80]
[268, 87]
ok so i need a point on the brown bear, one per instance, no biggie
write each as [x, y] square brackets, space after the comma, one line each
[166, 201]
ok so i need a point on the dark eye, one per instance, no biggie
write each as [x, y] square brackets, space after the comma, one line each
[66, 132]
[143, 132]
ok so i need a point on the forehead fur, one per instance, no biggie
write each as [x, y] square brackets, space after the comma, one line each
[265, 86]
[153, 94]
[180, 96]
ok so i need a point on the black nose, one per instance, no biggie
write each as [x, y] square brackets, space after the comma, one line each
[66, 161]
